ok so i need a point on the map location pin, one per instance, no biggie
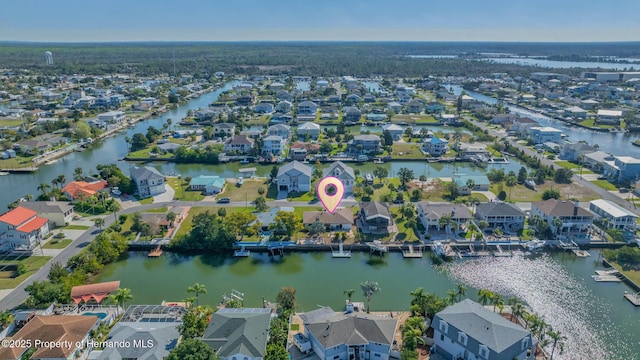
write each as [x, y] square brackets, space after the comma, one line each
[330, 191]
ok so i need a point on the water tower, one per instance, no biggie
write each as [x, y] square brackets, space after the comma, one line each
[48, 57]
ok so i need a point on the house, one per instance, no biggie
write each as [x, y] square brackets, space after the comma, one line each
[145, 325]
[32, 145]
[616, 216]
[375, 217]
[168, 147]
[472, 151]
[576, 112]
[283, 95]
[597, 160]
[589, 104]
[521, 125]
[294, 176]
[414, 107]
[93, 293]
[501, 215]
[148, 180]
[575, 219]
[224, 129]
[112, 117]
[575, 151]
[351, 114]
[394, 106]
[479, 182]
[396, 130]
[78, 190]
[282, 130]
[284, 106]
[609, 117]
[239, 333]
[434, 108]
[430, 214]
[310, 128]
[274, 145]
[208, 184]
[341, 219]
[245, 100]
[503, 118]
[238, 143]
[623, 168]
[268, 218]
[468, 330]
[22, 229]
[543, 134]
[435, 146]
[307, 108]
[349, 336]
[264, 108]
[59, 213]
[364, 145]
[343, 172]
[71, 330]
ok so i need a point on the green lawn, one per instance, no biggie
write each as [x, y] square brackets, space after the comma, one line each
[57, 244]
[406, 151]
[16, 162]
[605, 185]
[567, 164]
[520, 193]
[181, 192]
[33, 264]
[144, 154]
[10, 123]
[186, 225]
[158, 210]
[415, 119]
[592, 123]
[248, 191]
[76, 227]
[633, 275]
[404, 234]
[145, 201]
[583, 171]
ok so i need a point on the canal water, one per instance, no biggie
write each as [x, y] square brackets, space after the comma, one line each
[562, 64]
[598, 322]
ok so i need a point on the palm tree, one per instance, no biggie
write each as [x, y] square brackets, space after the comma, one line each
[470, 185]
[61, 179]
[99, 222]
[28, 197]
[445, 221]
[452, 296]
[369, 288]
[557, 224]
[44, 187]
[516, 306]
[461, 291]
[121, 296]
[171, 217]
[420, 299]
[78, 174]
[197, 289]
[497, 300]
[113, 206]
[349, 293]
[558, 340]
[484, 296]
[411, 338]
[6, 318]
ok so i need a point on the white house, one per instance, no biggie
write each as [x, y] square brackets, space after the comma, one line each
[264, 108]
[343, 172]
[341, 219]
[617, 216]
[294, 176]
[112, 117]
[435, 146]
[282, 130]
[501, 215]
[274, 145]
[148, 180]
[238, 143]
[612, 117]
[310, 128]
[430, 214]
[307, 108]
[575, 219]
[59, 213]
[543, 134]
[396, 131]
[284, 106]
[21, 228]
[467, 330]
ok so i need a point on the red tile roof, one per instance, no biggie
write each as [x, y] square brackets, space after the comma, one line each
[96, 291]
[32, 225]
[17, 216]
[76, 188]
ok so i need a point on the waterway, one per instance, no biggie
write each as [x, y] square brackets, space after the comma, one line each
[561, 64]
[613, 143]
[598, 322]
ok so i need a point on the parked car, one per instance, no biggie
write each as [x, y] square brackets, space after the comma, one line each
[224, 200]
[240, 181]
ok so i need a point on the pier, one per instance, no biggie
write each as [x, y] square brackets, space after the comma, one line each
[412, 253]
[155, 252]
[376, 247]
[633, 298]
[242, 252]
[341, 253]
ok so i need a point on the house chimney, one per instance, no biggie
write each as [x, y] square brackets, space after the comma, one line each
[575, 207]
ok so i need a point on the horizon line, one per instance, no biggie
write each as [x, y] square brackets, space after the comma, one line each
[319, 41]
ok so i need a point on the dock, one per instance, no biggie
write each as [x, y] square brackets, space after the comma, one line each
[501, 253]
[567, 246]
[377, 247]
[341, 253]
[242, 252]
[581, 253]
[607, 272]
[606, 278]
[633, 298]
[412, 253]
[155, 252]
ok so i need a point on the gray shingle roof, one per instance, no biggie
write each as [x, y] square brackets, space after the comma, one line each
[47, 206]
[434, 210]
[164, 337]
[352, 329]
[342, 167]
[375, 208]
[498, 209]
[239, 331]
[295, 165]
[145, 172]
[488, 328]
[553, 207]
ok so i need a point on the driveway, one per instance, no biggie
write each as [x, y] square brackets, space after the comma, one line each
[167, 196]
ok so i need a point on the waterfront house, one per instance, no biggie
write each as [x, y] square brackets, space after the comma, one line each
[467, 330]
[224, 129]
[609, 117]
[208, 184]
[284, 106]
[435, 146]
[168, 147]
[396, 131]
[449, 119]
[575, 219]
[430, 214]
[78, 190]
[522, 125]
[374, 217]
[283, 95]
[236, 334]
[22, 229]
[472, 151]
[414, 107]
[274, 145]
[59, 213]
[501, 215]
[294, 176]
[71, 330]
[479, 182]
[238, 143]
[622, 168]
[307, 108]
[343, 172]
[503, 118]
[264, 108]
[434, 108]
[341, 219]
[245, 100]
[597, 160]
[575, 112]
[349, 336]
[394, 106]
[149, 181]
[33, 146]
[282, 130]
[351, 114]
[112, 117]
[616, 216]
[543, 134]
[310, 128]
[575, 151]
[364, 145]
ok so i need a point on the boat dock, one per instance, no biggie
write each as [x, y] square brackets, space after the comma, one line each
[155, 252]
[412, 253]
[607, 272]
[341, 253]
[377, 247]
[581, 253]
[606, 278]
[501, 253]
[633, 298]
[567, 246]
[242, 252]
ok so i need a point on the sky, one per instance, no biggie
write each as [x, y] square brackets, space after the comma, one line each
[325, 20]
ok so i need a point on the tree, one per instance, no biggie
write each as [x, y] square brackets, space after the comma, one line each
[452, 296]
[171, 217]
[6, 318]
[288, 223]
[461, 290]
[261, 190]
[112, 206]
[99, 222]
[387, 138]
[551, 193]
[286, 299]
[349, 293]
[522, 175]
[195, 321]
[470, 185]
[44, 187]
[222, 212]
[139, 142]
[380, 172]
[273, 174]
[197, 289]
[511, 180]
[261, 204]
[238, 222]
[563, 176]
[416, 195]
[558, 341]
[83, 131]
[484, 296]
[369, 288]
[61, 179]
[405, 175]
[57, 273]
[516, 307]
[276, 352]
[121, 296]
[316, 228]
[192, 349]
[144, 229]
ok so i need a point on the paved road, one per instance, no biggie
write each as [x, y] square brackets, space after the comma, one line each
[18, 295]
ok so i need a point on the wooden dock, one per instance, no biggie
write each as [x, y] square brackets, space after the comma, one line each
[377, 247]
[156, 252]
[606, 278]
[242, 252]
[633, 298]
[581, 253]
[341, 253]
[412, 253]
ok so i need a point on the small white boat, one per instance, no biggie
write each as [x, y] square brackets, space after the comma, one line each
[3, 173]
[438, 248]
[535, 245]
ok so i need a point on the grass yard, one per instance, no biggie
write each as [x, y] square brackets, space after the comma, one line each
[145, 201]
[181, 192]
[16, 162]
[520, 193]
[633, 275]
[186, 225]
[300, 210]
[592, 123]
[567, 164]
[57, 244]
[605, 185]
[76, 227]
[583, 171]
[404, 233]
[415, 119]
[158, 210]
[248, 191]
[10, 122]
[145, 154]
[406, 151]
[33, 264]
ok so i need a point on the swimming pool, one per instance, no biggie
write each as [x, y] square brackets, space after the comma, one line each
[100, 315]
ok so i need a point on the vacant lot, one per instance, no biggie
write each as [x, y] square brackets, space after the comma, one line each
[57, 244]
[181, 192]
[524, 194]
[32, 264]
[248, 191]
